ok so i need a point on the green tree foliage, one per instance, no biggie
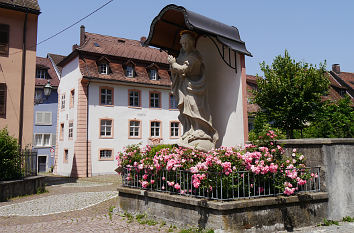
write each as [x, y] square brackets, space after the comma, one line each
[10, 160]
[290, 92]
[335, 120]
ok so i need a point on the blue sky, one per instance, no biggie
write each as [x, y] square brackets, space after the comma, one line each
[311, 30]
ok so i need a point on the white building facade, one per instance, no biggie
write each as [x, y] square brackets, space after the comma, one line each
[113, 93]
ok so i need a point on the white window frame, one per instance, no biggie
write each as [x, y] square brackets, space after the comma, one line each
[134, 96]
[104, 96]
[155, 100]
[41, 73]
[41, 116]
[104, 128]
[134, 129]
[41, 144]
[153, 74]
[129, 72]
[174, 129]
[63, 101]
[155, 129]
[103, 68]
[105, 157]
[71, 130]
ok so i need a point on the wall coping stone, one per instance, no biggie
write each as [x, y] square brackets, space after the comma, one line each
[316, 141]
[227, 205]
[25, 178]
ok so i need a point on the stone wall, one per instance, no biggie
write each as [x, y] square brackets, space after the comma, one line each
[26, 186]
[267, 214]
[336, 158]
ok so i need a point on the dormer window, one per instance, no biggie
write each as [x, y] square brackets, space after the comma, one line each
[129, 71]
[103, 68]
[41, 73]
[153, 74]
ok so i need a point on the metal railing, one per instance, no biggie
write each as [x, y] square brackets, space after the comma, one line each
[29, 163]
[216, 185]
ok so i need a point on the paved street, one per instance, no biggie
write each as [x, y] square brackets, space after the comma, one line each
[86, 205]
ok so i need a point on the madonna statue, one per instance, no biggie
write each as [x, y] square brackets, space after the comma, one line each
[190, 89]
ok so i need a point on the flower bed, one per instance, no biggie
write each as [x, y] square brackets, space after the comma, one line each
[223, 173]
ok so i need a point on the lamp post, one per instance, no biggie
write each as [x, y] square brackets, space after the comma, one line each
[47, 89]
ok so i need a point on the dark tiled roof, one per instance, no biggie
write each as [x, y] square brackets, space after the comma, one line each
[89, 69]
[120, 47]
[348, 78]
[118, 52]
[45, 63]
[21, 5]
[56, 59]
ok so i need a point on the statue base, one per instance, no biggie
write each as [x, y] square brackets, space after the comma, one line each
[199, 144]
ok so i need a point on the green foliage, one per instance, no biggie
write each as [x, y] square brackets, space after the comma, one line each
[196, 230]
[334, 120]
[327, 222]
[290, 93]
[262, 137]
[10, 159]
[348, 219]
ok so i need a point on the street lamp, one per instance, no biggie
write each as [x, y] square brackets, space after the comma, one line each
[47, 89]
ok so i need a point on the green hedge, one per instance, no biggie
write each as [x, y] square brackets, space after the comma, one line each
[10, 159]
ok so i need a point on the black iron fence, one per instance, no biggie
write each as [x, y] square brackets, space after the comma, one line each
[217, 185]
[29, 163]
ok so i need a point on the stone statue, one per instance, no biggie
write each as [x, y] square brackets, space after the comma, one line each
[190, 89]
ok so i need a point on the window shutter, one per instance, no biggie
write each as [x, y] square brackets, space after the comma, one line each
[54, 139]
[39, 118]
[48, 118]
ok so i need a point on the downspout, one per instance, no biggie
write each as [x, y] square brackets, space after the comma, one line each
[87, 130]
[23, 75]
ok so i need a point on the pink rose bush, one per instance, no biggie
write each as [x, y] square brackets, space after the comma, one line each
[188, 171]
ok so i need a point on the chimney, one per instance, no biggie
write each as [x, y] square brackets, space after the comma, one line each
[142, 40]
[82, 35]
[75, 46]
[336, 68]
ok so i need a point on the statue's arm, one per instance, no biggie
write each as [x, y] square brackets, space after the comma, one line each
[177, 68]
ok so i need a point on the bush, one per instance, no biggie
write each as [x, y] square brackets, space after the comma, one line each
[10, 159]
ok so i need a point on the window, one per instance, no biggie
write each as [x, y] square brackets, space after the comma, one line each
[106, 96]
[134, 129]
[153, 74]
[103, 68]
[155, 100]
[72, 98]
[41, 73]
[61, 135]
[129, 71]
[63, 101]
[38, 96]
[4, 40]
[66, 155]
[134, 98]
[71, 127]
[43, 118]
[174, 130]
[42, 140]
[155, 129]
[173, 102]
[3, 93]
[106, 154]
[106, 128]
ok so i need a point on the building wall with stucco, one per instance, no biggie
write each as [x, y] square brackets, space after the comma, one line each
[10, 72]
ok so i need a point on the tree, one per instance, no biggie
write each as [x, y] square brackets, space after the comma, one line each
[10, 160]
[290, 92]
[335, 120]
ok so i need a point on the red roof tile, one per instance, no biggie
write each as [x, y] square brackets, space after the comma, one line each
[45, 63]
[348, 78]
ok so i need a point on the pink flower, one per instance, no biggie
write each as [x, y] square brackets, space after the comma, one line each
[294, 150]
[145, 176]
[163, 178]
[289, 191]
[301, 157]
[152, 181]
[177, 186]
[170, 183]
[144, 184]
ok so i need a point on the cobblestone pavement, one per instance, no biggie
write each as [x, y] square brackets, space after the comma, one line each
[96, 217]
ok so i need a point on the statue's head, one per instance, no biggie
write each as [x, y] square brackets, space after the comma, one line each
[187, 40]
